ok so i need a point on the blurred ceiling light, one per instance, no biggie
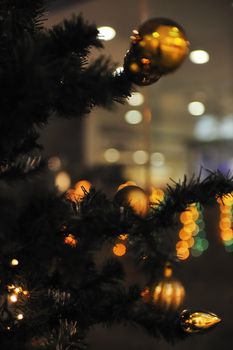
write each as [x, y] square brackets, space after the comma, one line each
[226, 128]
[196, 108]
[112, 155]
[106, 33]
[140, 157]
[133, 117]
[118, 70]
[199, 56]
[206, 129]
[54, 163]
[137, 99]
[157, 159]
[62, 181]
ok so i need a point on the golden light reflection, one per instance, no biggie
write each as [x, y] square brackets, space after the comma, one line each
[71, 241]
[156, 196]
[225, 224]
[194, 322]
[123, 237]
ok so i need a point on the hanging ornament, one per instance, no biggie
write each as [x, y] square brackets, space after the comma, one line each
[198, 321]
[158, 47]
[126, 184]
[135, 198]
[79, 191]
[82, 188]
[168, 294]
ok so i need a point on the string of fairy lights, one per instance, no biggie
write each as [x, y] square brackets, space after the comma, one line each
[192, 240]
[168, 293]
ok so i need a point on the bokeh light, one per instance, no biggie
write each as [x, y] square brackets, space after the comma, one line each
[157, 159]
[199, 56]
[119, 249]
[54, 163]
[112, 155]
[133, 117]
[106, 33]
[62, 181]
[191, 234]
[196, 108]
[140, 157]
[136, 99]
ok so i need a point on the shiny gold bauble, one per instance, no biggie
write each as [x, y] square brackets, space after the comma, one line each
[198, 321]
[135, 198]
[168, 294]
[126, 184]
[158, 47]
[140, 72]
[81, 188]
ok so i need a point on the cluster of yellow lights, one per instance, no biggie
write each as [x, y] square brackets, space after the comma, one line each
[15, 292]
[71, 241]
[119, 248]
[225, 224]
[188, 218]
[156, 196]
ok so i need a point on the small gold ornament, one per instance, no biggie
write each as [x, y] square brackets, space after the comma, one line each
[82, 188]
[126, 184]
[198, 321]
[169, 293]
[159, 47]
[134, 197]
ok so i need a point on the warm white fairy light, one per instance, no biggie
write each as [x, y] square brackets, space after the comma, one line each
[14, 262]
[196, 108]
[19, 317]
[106, 33]
[199, 56]
[13, 298]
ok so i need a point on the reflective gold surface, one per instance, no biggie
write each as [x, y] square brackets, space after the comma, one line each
[198, 321]
[168, 294]
[134, 197]
[158, 47]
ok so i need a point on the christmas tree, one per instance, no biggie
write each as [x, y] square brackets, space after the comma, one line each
[61, 270]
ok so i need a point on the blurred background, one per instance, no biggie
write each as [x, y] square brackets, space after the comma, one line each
[177, 126]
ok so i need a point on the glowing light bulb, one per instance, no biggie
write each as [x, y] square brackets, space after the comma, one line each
[13, 298]
[119, 249]
[196, 108]
[106, 33]
[199, 56]
[14, 262]
[19, 317]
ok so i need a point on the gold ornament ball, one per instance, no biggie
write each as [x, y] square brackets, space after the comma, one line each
[168, 294]
[135, 198]
[81, 188]
[140, 70]
[198, 321]
[158, 47]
